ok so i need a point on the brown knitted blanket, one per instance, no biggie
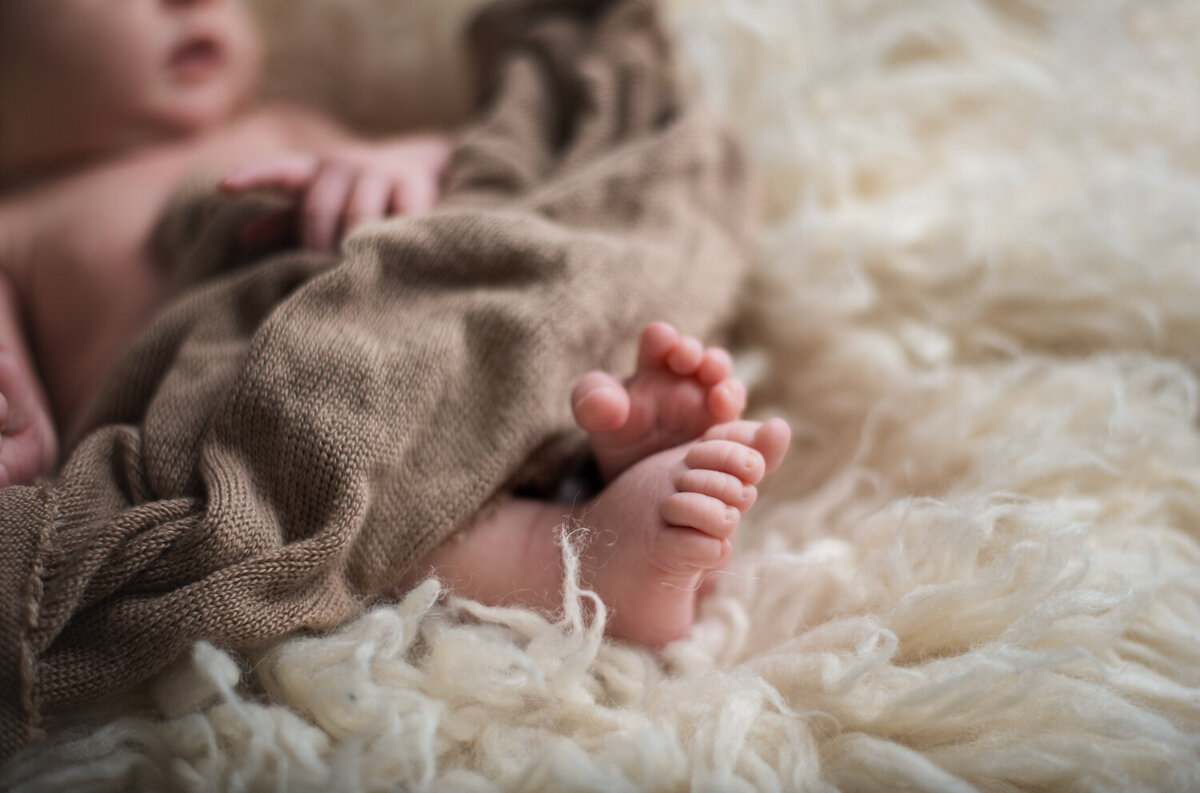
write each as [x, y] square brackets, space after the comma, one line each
[291, 434]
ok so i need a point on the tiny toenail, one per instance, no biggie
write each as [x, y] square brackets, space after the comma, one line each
[731, 514]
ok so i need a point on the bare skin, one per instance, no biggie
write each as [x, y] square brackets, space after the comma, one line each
[105, 108]
[679, 390]
[27, 438]
[104, 111]
[661, 524]
[76, 265]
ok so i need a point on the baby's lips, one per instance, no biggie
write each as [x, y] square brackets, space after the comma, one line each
[196, 58]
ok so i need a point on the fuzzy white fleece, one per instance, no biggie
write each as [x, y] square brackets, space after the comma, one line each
[978, 302]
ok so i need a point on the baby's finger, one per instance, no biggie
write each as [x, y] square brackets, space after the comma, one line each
[324, 207]
[15, 394]
[291, 172]
[270, 231]
[414, 194]
[368, 201]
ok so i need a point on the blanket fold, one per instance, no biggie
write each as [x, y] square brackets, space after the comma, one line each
[291, 434]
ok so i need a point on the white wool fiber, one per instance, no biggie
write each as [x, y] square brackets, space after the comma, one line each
[977, 300]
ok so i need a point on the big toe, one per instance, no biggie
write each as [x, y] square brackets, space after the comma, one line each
[599, 403]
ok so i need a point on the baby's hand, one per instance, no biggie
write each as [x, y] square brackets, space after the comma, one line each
[27, 441]
[343, 190]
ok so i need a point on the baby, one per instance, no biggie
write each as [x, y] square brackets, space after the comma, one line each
[106, 107]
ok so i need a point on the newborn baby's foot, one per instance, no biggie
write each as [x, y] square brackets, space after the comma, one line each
[668, 520]
[27, 442]
[679, 390]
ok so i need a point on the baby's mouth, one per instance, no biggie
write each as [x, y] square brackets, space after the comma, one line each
[195, 59]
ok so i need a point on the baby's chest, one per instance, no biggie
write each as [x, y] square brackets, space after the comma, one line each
[89, 237]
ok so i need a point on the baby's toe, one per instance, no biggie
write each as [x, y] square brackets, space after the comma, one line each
[726, 400]
[742, 432]
[683, 551]
[729, 457]
[658, 339]
[685, 358]
[716, 484]
[599, 403]
[771, 438]
[715, 366]
[703, 513]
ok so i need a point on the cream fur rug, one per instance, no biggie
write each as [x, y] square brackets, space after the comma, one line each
[978, 302]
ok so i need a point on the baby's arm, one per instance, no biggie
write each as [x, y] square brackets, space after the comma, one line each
[27, 441]
[348, 187]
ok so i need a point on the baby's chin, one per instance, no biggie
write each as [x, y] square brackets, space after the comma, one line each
[211, 96]
[201, 111]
